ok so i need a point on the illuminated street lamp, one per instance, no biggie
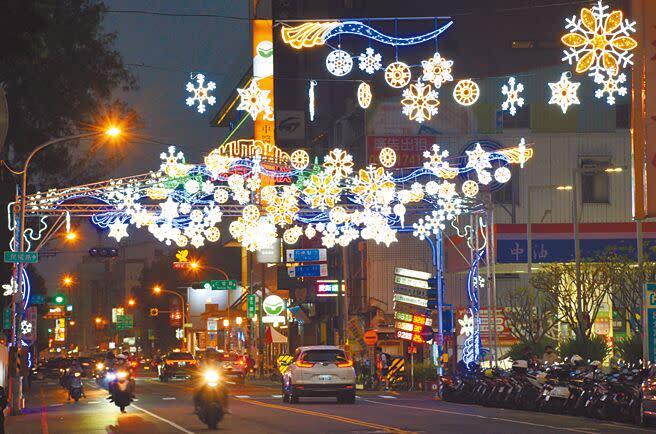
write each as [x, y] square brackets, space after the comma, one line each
[226, 322]
[157, 289]
[67, 280]
[238, 320]
[132, 302]
[98, 320]
[71, 236]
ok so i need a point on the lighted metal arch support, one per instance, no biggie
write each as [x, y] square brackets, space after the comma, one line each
[437, 250]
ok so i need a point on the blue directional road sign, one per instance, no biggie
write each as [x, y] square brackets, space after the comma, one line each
[314, 270]
[306, 255]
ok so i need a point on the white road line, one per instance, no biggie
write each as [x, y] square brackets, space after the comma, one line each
[276, 396]
[520, 422]
[387, 396]
[55, 405]
[93, 402]
[169, 398]
[173, 424]
[242, 396]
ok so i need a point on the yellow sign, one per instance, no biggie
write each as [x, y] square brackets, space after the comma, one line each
[263, 73]
[60, 329]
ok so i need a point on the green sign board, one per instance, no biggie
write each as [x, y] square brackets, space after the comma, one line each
[6, 318]
[124, 322]
[220, 285]
[37, 299]
[251, 305]
[29, 257]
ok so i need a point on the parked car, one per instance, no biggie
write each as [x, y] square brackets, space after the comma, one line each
[176, 365]
[319, 371]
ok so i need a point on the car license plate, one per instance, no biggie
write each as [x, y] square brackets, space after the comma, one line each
[325, 377]
[182, 364]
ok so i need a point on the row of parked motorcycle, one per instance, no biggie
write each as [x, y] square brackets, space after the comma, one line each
[573, 388]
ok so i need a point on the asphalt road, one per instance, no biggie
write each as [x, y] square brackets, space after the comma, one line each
[166, 408]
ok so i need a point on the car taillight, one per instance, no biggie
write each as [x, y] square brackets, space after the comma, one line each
[169, 362]
[346, 364]
[302, 364]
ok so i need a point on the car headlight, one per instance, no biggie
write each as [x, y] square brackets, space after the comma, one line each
[111, 376]
[211, 377]
[121, 375]
[100, 366]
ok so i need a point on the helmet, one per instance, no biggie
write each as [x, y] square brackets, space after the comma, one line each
[520, 364]
[576, 359]
[122, 357]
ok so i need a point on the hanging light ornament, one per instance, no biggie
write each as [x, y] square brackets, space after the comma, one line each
[201, 93]
[437, 70]
[470, 188]
[299, 159]
[255, 101]
[512, 92]
[563, 92]
[339, 63]
[364, 95]
[420, 102]
[387, 157]
[397, 74]
[610, 87]
[370, 61]
[313, 83]
[466, 92]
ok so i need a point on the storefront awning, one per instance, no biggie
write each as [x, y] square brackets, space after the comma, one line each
[272, 336]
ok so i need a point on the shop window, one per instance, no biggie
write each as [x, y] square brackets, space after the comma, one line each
[522, 118]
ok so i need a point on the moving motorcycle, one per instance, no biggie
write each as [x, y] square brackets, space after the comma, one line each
[210, 401]
[75, 386]
[121, 388]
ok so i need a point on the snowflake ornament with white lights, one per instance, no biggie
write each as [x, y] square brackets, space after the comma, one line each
[610, 86]
[437, 70]
[420, 102]
[201, 93]
[370, 61]
[563, 92]
[255, 100]
[339, 63]
[512, 91]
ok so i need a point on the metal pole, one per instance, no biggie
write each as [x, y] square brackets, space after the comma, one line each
[577, 248]
[493, 261]
[645, 343]
[491, 322]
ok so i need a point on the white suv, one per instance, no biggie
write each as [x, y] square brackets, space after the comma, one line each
[321, 370]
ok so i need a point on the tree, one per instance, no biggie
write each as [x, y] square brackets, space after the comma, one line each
[579, 306]
[530, 318]
[59, 69]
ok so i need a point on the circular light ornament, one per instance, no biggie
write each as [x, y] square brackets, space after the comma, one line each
[466, 92]
[364, 95]
[470, 188]
[213, 234]
[182, 240]
[196, 216]
[338, 215]
[339, 63]
[237, 229]
[299, 159]
[502, 175]
[387, 157]
[192, 186]
[268, 193]
[432, 188]
[291, 235]
[221, 195]
[397, 74]
[310, 232]
[251, 213]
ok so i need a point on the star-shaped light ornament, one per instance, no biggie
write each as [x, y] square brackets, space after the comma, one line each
[466, 325]
[563, 92]
[512, 92]
[118, 230]
[420, 102]
[201, 93]
[255, 101]
[479, 160]
[599, 41]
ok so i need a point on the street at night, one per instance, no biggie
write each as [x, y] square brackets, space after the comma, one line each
[327, 216]
[255, 409]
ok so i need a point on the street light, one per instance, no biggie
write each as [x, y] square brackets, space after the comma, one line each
[98, 320]
[71, 236]
[67, 280]
[132, 302]
[158, 290]
[529, 233]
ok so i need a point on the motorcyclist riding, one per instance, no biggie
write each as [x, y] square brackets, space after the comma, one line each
[74, 380]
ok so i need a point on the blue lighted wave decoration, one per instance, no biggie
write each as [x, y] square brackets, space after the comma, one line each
[360, 29]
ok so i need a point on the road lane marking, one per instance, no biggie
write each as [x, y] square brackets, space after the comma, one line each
[56, 405]
[168, 398]
[276, 396]
[173, 424]
[93, 402]
[480, 416]
[384, 428]
[387, 396]
[242, 396]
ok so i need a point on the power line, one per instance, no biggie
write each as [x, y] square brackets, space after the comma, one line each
[175, 14]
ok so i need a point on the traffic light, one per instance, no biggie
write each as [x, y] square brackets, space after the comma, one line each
[103, 252]
[154, 311]
[59, 299]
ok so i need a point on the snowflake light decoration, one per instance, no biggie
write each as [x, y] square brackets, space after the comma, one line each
[479, 160]
[437, 70]
[512, 91]
[322, 191]
[437, 162]
[10, 288]
[397, 74]
[338, 163]
[610, 86]
[599, 41]
[26, 327]
[201, 93]
[420, 102]
[118, 230]
[373, 186]
[339, 63]
[563, 92]
[255, 101]
[370, 61]
[466, 325]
